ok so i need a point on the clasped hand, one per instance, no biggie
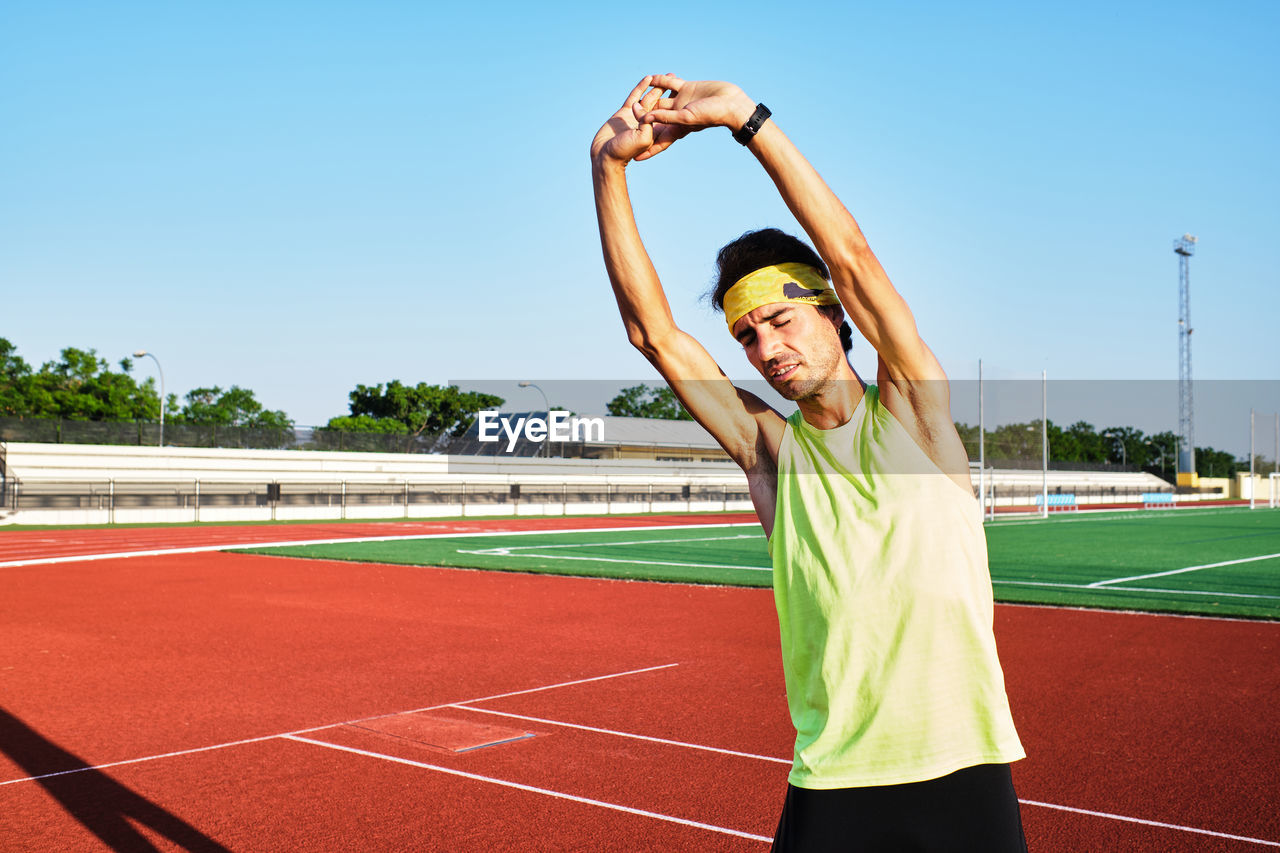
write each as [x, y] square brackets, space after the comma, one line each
[661, 109]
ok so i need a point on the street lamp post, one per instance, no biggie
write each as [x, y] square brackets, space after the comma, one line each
[139, 354]
[1124, 456]
[547, 407]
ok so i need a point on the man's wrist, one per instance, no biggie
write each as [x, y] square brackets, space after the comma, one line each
[743, 109]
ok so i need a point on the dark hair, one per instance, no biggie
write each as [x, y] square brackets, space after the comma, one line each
[756, 249]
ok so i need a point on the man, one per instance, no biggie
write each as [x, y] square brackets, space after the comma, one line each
[903, 730]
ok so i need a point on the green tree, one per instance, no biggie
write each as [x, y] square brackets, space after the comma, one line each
[15, 381]
[1162, 449]
[433, 409]
[235, 406]
[646, 401]
[1127, 446]
[78, 386]
[367, 423]
[1219, 463]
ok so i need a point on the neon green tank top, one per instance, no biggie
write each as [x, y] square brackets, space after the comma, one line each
[885, 609]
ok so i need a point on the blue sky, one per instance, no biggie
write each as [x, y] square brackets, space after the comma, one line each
[299, 197]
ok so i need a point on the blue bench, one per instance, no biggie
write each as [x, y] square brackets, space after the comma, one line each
[1062, 502]
[1158, 500]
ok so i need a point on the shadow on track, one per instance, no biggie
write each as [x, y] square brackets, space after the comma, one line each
[101, 804]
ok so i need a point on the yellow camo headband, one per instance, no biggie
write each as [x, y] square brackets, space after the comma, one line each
[778, 283]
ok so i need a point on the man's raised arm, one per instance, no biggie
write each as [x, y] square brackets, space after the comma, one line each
[727, 413]
[874, 306]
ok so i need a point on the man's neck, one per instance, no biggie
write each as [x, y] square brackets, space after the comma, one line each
[833, 404]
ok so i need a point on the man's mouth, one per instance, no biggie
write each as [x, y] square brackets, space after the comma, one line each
[782, 372]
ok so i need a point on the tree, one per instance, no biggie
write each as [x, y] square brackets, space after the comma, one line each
[433, 409]
[367, 423]
[1162, 449]
[235, 406]
[645, 401]
[78, 386]
[1218, 463]
[1128, 446]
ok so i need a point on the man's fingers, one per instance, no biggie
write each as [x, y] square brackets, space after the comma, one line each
[637, 92]
[669, 116]
[666, 81]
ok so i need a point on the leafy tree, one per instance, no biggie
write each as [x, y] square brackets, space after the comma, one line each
[433, 409]
[15, 381]
[367, 423]
[645, 401]
[1162, 450]
[1218, 463]
[78, 386]
[235, 406]
[1127, 445]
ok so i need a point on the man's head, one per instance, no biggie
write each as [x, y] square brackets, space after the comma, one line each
[796, 345]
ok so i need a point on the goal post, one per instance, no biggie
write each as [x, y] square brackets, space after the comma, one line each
[1273, 495]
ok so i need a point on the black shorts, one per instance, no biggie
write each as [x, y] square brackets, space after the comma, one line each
[974, 809]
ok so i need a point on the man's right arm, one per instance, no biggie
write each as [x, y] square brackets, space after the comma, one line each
[734, 418]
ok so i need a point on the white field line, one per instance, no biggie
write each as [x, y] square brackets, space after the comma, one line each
[531, 789]
[628, 562]
[1106, 815]
[1119, 515]
[506, 551]
[1126, 819]
[332, 725]
[1092, 588]
[786, 761]
[232, 546]
[1187, 569]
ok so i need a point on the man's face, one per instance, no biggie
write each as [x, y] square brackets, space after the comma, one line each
[795, 347]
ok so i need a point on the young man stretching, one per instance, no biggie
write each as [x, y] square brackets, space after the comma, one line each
[903, 730]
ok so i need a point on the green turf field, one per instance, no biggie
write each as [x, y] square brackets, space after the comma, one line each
[1223, 562]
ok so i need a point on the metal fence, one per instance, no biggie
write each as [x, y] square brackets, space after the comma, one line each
[140, 434]
[338, 496]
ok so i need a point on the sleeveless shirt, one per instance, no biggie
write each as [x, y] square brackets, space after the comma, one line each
[885, 609]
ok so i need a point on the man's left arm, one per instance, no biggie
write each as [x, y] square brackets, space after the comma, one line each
[912, 382]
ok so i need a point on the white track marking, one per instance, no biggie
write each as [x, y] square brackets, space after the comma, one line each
[506, 551]
[1107, 815]
[1114, 515]
[331, 725]
[1099, 584]
[531, 789]
[1153, 823]
[232, 546]
[1092, 588]
[631, 562]
[786, 761]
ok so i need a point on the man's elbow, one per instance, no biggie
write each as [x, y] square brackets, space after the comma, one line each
[649, 344]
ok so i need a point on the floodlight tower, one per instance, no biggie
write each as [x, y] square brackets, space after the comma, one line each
[1185, 247]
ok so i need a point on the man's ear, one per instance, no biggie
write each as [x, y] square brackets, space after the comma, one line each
[834, 313]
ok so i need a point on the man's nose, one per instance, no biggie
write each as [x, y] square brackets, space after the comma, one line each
[770, 343]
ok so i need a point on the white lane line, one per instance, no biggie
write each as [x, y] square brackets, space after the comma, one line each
[531, 789]
[506, 550]
[1098, 584]
[628, 562]
[231, 546]
[1092, 588]
[786, 761]
[329, 726]
[1126, 819]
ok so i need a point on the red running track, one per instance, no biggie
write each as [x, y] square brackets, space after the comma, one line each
[1157, 718]
[32, 544]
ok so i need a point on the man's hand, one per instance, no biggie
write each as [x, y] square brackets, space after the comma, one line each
[623, 137]
[696, 105]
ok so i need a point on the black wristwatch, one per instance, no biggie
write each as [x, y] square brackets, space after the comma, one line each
[747, 132]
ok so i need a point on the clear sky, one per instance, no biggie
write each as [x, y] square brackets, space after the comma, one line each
[297, 197]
